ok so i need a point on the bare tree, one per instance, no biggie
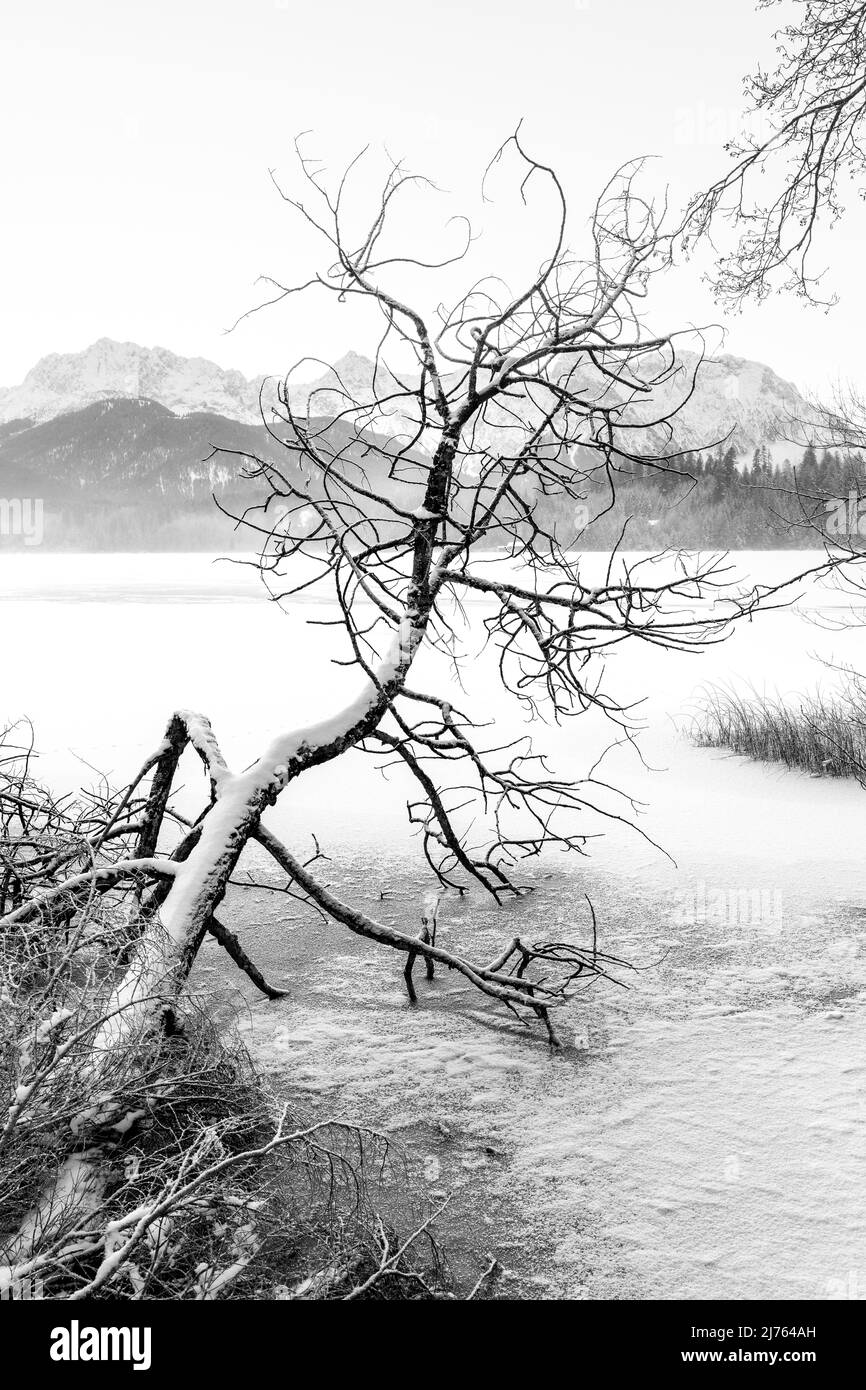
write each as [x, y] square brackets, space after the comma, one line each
[509, 402]
[508, 412]
[801, 154]
[827, 502]
[805, 148]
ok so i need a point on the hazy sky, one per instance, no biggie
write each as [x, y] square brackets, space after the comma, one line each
[138, 140]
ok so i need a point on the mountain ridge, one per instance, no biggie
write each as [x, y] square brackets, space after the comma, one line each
[735, 396]
[108, 370]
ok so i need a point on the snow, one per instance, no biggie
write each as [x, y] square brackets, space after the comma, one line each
[706, 1134]
[107, 369]
[202, 737]
[128, 1120]
[238, 794]
[102, 872]
[734, 394]
[705, 1138]
[77, 1185]
[49, 1025]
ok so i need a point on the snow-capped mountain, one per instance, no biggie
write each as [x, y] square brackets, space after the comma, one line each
[67, 381]
[738, 398]
[734, 396]
[128, 445]
[742, 402]
[351, 378]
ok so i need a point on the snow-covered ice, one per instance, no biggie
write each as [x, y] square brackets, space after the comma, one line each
[704, 1134]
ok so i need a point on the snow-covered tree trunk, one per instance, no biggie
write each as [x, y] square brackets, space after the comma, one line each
[171, 939]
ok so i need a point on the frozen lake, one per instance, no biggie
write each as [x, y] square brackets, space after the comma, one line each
[705, 1134]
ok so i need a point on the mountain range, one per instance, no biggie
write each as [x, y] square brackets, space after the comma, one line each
[67, 381]
[733, 393]
[119, 432]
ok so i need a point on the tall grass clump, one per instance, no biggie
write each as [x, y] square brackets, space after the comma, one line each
[821, 733]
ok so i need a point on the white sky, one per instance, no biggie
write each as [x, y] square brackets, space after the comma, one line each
[139, 137]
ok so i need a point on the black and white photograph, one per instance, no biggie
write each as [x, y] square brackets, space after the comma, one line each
[433, 699]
